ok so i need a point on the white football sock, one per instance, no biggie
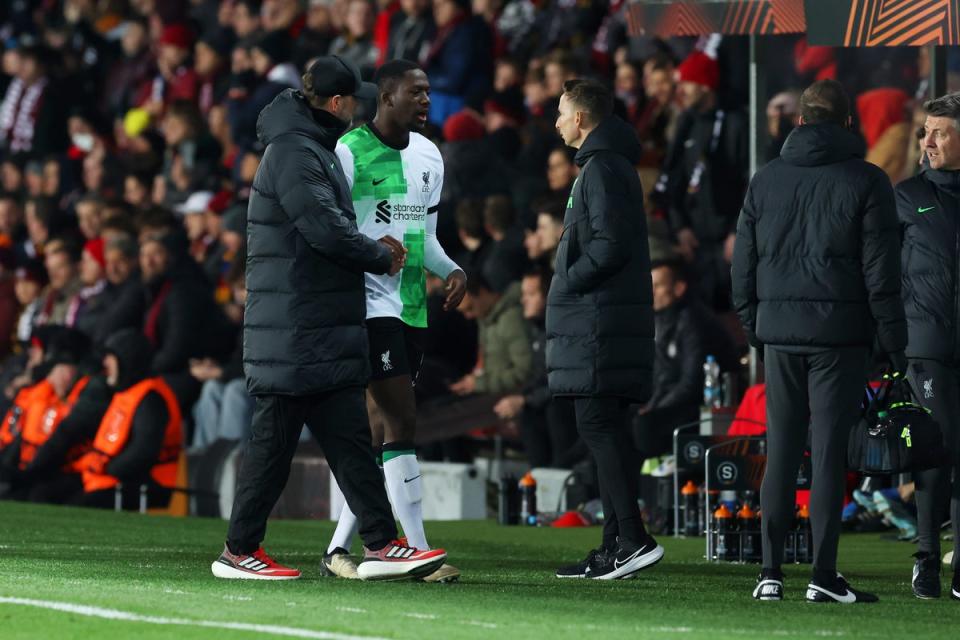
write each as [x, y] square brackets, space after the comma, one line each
[346, 530]
[405, 489]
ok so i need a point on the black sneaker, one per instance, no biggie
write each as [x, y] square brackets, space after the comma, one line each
[926, 576]
[769, 586]
[955, 587]
[628, 559]
[595, 557]
[838, 590]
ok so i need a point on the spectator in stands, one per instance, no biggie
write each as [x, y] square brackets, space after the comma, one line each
[225, 408]
[33, 115]
[9, 308]
[175, 79]
[469, 218]
[411, 31]
[561, 171]
[123, 296]
[30, 281]
[506, 355]
[139, 438]
[457, 61]
[506, 260]
[246, 18]
[686, 333]
[88, 307]
[542, 243]
[89, 216]
[356, 43]
[192, 157]
[705, 177]
[62, 264]
[211, 63]
[317, 34]
[547, 426]
[269, 74]
[657, 121]
[128, 74]
[38, 213]
[885, 125]
[13, 233]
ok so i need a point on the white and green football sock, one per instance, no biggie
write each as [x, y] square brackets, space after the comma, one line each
[405, 488]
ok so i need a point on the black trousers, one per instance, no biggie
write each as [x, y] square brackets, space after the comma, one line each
[817, 393]
[937, 386]
[549, 434]
[338, 420]
[604, 427]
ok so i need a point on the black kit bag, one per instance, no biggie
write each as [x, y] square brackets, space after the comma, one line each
[895, 434]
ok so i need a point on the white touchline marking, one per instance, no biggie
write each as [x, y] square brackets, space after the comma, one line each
[421, 616]
[477, 623]
[240, 598]
[126, 616]
[351, 609]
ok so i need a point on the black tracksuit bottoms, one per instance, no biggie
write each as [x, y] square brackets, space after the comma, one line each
[819, 393]
[937, 386]
[338, 420]
[604, 427]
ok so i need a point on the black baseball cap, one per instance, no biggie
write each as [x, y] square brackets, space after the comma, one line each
[336, 76]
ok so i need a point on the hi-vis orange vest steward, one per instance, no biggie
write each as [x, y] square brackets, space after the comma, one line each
[39, 425]
[114, 432]
[33, 399]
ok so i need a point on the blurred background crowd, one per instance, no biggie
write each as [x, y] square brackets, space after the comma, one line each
[128, 145]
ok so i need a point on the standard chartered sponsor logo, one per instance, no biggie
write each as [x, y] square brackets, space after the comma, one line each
[400, 211]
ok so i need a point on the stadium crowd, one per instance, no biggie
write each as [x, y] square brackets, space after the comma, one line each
[128, 145]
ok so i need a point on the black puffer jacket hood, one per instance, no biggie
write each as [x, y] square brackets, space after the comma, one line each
[134, 356]
[290, 113]
[813, 145]
[613, 134]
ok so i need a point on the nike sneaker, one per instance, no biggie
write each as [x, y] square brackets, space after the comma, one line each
[926, 576]
[626, 561]
[251, 566]
[339, 563]
[769, 586]
[579, 570]
[838, 590]
[397, 561]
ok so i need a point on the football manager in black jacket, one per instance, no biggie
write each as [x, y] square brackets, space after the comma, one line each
[929, 208]
[816, 283]
[600, 318]
[304, 343]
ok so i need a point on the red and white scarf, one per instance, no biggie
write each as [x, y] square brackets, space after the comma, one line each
[18, 115]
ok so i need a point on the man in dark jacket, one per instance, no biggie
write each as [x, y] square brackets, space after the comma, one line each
[930, 228]
[600, 318]
[687, 332]
[305, 345]
[816, 283]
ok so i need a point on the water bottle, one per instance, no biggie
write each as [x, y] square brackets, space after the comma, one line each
[749, 533]
[508, 512]
[691, 509]
[711, 383]
[528, 500]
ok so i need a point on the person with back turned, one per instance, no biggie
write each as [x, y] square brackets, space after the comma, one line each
[600, 319]
[816, 283]
[305, 348]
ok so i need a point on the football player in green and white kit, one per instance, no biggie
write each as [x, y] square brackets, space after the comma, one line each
[395, 175]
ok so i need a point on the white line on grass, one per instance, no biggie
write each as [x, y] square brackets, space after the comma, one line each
[126, 616]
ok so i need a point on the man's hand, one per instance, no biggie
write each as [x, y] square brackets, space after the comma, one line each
[688, 243]
[397, 251]
[455, 287]
[728, 246]
[204, 370]
[509, 406]
[465, 385]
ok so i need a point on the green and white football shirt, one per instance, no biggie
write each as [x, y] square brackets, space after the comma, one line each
[394, 190]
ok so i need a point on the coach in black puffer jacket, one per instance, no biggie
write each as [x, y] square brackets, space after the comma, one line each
[600, 305]
[820, 270]
[304, 323]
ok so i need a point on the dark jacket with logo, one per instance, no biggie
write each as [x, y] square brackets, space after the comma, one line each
[817, 257]
[600, 305]
[929, 208]
[304, 321]
[687, 332]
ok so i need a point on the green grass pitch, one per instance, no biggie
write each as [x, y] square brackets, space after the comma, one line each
[157, 570]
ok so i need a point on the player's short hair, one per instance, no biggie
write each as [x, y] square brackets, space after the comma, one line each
[590, 97]
[391, 72]
[825, 101]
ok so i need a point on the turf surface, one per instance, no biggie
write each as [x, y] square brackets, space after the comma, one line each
[156, 566]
